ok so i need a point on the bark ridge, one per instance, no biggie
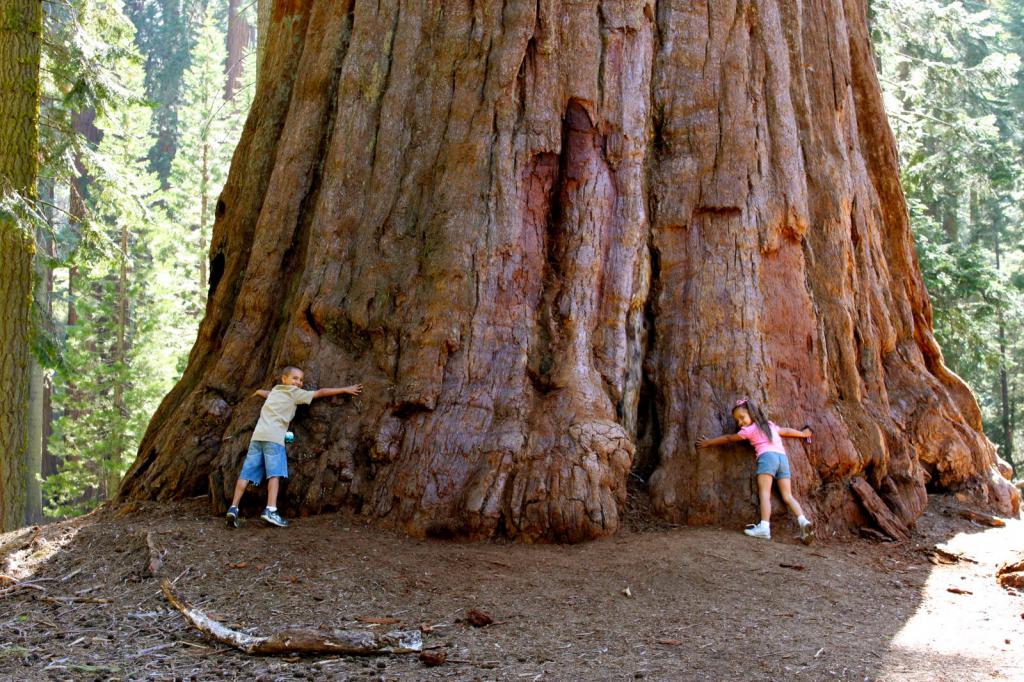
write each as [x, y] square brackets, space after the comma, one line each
[555, 240]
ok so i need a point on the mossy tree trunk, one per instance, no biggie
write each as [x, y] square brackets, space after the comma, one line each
[20, 31]
[555, 241]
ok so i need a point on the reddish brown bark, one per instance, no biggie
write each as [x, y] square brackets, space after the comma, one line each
[555, 241]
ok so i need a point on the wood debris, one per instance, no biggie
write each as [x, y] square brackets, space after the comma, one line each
[478, 618]
[378, 620]
[156, 556]
[879, 512]
[983, 519]
[432, 659]
[939, 556]
[293, 640]
[1011, 576]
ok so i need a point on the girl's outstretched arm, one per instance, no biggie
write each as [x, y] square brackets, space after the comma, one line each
[787, 432]
[705, 442]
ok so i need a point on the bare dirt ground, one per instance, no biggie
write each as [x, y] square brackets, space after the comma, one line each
[702, 603]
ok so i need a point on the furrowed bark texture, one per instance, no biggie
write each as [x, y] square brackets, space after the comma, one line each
[20, 29]
[555, 240]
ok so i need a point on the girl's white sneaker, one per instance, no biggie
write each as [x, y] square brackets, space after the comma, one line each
[758, 531]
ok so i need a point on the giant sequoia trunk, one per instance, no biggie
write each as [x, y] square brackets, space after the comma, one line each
[555, 240]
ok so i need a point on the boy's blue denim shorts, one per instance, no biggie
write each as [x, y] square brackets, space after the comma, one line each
[774, 463]
[264, 460]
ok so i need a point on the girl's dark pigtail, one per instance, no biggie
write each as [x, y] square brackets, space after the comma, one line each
[760, 417]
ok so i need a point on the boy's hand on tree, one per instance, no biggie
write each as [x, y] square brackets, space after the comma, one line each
[354, 389]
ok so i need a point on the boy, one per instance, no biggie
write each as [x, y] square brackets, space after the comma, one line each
[266, 457]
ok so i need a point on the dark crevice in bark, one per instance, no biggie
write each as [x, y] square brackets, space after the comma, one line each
[545, 173]
[649, 407]
[216, 272]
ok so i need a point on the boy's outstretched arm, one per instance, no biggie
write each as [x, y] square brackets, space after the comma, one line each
[354, 389]
[261, 393]
[705, 442]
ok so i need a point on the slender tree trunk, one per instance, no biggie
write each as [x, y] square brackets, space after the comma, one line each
[121, 321]
[204, 190]
[34, 454]
[531, 228]
[1004, 382]
[238, 36]
[36, 404]
[20, 32]
[263, 8]
[72, 306]
[49, 463]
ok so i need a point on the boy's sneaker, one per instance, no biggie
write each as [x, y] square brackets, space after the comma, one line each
[273, 518]
[807, 533]
[758, 531]
[232, 517]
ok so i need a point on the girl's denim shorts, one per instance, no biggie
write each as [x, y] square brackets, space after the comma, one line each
[774, 463]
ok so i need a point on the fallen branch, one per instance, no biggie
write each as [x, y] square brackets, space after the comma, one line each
[20, 586]
[983, 519]
[298, 640]
[883, 517]
[872, 534]
[937, 555]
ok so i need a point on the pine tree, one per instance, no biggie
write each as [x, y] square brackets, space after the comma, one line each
[105, 398]
[164, 36]
[950, 72]
[210, 126]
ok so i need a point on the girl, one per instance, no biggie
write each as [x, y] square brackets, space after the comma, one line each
[772, 463]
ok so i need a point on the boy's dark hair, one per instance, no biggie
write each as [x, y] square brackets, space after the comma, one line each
[288, 369]
[758, 415]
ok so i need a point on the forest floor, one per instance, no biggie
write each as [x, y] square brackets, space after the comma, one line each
[653, 602]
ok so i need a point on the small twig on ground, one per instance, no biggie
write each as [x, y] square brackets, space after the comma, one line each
[71, 575]
[23, 585]
[152, 649]
[75, 600]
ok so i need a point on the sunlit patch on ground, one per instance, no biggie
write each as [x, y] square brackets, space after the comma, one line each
[965, 618]
[31, 549]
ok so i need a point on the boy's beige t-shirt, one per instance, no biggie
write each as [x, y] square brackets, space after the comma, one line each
[278, 411]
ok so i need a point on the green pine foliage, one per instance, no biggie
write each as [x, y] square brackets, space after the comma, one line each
[104, 396]
[209, 131]
[165, 36]
[951, 75]
[137, 251]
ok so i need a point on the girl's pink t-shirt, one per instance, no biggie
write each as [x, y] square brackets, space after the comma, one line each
[761, 442]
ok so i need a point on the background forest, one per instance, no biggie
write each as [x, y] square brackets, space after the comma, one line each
[144, 100]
